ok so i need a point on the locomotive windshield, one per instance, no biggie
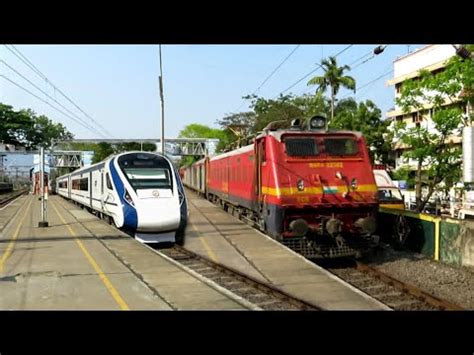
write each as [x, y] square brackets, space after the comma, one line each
[315, 146]
[301, 147]
[146, 171]
[340, 146]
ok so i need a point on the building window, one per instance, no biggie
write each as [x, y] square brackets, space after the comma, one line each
[416, 117]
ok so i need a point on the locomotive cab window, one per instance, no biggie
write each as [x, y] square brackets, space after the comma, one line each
[146, 171]
[340, 146]
[301, 147]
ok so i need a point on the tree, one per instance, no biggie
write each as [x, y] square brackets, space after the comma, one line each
[102, 151]
[195, 130]
[236, 127]
[333, 79]
[438, 159]
[285, 108]
[24, 128]
[365, 117]
[14, 125]
[44, 132]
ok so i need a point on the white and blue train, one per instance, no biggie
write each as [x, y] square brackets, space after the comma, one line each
[140, 192]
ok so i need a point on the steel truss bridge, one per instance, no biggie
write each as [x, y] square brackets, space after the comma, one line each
[57, 158]
[174, 146]
[75, 158]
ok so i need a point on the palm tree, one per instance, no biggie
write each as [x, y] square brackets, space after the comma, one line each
[333, 78]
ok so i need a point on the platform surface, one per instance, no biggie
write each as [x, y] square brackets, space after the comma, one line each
[81, 262]
[219, 236]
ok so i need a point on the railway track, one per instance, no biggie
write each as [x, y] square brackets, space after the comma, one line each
[262, 295]
[8, 197]
[396, 294]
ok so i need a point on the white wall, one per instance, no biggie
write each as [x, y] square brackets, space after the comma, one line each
[422, 58]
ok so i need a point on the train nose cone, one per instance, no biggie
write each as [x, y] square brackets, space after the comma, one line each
[162, 216]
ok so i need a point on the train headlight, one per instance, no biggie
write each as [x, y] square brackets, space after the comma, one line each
[317, 122]
[354, 184]
[367, 225]
[299, 227]
[128, 198]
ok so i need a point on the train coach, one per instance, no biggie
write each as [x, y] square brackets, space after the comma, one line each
[311, 189]
[140, 192]
[6, 187]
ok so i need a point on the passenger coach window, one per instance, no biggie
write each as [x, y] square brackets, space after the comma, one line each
[300, 147]
[80, 184]
[84, 184]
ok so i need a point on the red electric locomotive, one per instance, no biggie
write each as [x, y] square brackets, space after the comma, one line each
[311, 189]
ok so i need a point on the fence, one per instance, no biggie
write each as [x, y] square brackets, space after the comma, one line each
[444, 239]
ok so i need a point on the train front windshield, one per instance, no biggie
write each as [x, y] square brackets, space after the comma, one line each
[301, 146]
[146, 171]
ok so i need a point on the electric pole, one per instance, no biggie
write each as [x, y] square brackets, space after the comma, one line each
[43, 222]
[162, 108]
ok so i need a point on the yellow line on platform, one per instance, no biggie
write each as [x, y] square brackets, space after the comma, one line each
[10, 246]
[209, 251]
[113, 291]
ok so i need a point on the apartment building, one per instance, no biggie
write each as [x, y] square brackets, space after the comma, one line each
[432, 58]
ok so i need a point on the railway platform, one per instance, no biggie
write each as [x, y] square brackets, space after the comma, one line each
[223, 238]
[81, 263]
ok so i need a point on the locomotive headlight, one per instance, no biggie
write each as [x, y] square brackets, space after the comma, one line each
[339, 175]
[299, 227]
[128, 198]
[367, 225]
[354, 184]
[317, 122]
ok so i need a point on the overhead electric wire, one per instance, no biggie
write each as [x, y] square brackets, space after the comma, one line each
[46, 102]
[369, 83]
[271, 74]
[30, 65]
[278, 67]
[92, 129]
[376, 79]
[355, 61]
[312, 71]
[27, 62]
[297, 82]
[352, 68]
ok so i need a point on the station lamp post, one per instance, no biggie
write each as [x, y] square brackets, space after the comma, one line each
[162, 107]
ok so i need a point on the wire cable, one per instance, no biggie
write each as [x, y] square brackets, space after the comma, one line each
[52, 98]
[30, 65]
[46, 102]
[271, 74]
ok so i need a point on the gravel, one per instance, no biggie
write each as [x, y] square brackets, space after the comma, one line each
[454, 284]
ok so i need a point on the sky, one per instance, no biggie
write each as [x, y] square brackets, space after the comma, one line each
[117, 85]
